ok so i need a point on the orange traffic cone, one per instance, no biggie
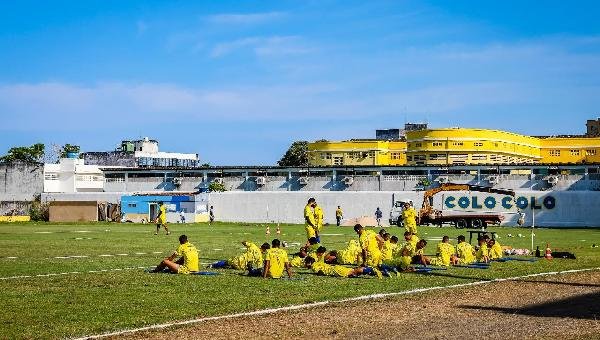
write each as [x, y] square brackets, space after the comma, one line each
[548, 255]
[268, 231]
[278, 231]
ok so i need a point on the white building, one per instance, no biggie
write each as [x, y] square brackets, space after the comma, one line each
[72, 175]
[146, 154]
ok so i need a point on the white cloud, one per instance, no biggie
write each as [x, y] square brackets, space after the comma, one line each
[249, 18]
[262, 46]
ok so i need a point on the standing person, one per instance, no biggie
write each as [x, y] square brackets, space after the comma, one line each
[378, 216]
[161, 218]
[211, 216]
[318, 220]
[181, 217]
[339, 214]
[276, 260]
[188, 263]
[309, 219]
[409, 218]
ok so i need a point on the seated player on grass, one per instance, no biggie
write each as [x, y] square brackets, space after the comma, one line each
[371, 244]
[419, 256]
[337, 270]
[411, 238]
[276, 261]
[495, 250]
[394, 245]
[445, 253]
[464, 251]
[251, 257]
[258, 271]
[386, 250]
[187, 263]
[482, 253]
[312, 244]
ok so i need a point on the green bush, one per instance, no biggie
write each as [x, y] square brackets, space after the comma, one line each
[216, 187]
[39, 211]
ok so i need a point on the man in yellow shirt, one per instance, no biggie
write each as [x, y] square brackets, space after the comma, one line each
[386, 251]
[482, 254]
[409, 218]
[339, 214]
[348, 255]
[321, 268]
[309, 219]
[495, 251]
[464, 251]
[187, 263]
[251, 257]
[276, 261]
[371, 244]
[411, 238]
[445, 253]
[318, 220]
[161, 218]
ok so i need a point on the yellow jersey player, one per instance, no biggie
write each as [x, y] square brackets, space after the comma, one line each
[386, 250]
[464, 251]
[371, 244]
[482, 254]
[276, 261]
[411, 238]
[318, 220]
[339, 271]
[495, 250]
[339, 214]
[350, 254]
[419, 256]
[161, 218]
[252, 258]
[445, 253]
[409, 218]
[309, 219]
[187, 263]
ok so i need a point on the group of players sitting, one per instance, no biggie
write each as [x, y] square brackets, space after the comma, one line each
[373, 253]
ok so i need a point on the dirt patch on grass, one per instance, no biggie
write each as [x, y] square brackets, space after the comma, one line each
[561, 306]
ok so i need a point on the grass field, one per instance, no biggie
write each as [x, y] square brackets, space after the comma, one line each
[100, 285]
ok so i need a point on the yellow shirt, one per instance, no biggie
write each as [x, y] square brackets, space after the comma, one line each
[330, 270]
[338, 213]
[162, 214]
[482, 252]
[190, 257]
[496, 251]
[445, 252]
[387, 250]
[253, 255]
[309, 216]
[297, 262]
[465, 253]
[368, 242]
[319, 217]
[277, 258]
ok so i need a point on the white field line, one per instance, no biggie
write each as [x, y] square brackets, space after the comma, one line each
[69, 273]
[322, 303]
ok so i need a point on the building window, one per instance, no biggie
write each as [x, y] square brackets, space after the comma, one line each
[457, 143]
[478, 144]
[418, 145]
[437, 157]
[555, 153]
[51, 176]
[478, 157]
[131, 205]
[437, 144]
[372, 154]
[395, 155]
[591, 152]
[338, 160]
[409, 158]
[574, 152]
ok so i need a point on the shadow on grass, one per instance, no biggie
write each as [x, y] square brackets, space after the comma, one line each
[586, 306]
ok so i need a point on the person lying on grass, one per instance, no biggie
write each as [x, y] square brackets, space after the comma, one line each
[251, 257]
[322, 268]
[187, 263]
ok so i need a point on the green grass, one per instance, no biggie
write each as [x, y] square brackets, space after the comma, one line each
[90, 303]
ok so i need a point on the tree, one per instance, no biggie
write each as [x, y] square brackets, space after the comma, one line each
[31, 154]
[216, 187]
[68, 148]
[296, 155]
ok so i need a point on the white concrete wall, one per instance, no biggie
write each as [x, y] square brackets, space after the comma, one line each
[573, 208]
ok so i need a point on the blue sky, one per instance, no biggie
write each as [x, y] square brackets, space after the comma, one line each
[238, 81]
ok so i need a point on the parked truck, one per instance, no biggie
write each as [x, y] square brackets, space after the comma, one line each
[428, 215]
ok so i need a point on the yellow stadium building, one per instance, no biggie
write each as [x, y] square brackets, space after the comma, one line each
[357, 152]
[457, 146]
